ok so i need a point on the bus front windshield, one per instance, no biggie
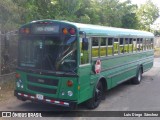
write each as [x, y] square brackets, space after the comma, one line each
[48, 53]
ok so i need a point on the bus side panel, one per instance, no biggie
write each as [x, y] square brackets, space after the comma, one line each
[85, 83]
[115, 70]
[148, 62]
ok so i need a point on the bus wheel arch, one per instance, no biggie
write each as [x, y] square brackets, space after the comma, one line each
[141, 66]
[98, 94]
[138, 78]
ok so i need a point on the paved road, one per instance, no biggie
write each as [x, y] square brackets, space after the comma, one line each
[125, 97]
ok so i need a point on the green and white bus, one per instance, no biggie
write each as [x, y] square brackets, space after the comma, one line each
[65, 63]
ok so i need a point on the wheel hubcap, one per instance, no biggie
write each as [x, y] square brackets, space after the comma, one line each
[139, 76]
[98, 95]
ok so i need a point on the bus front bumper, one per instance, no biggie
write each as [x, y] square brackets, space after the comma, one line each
[27, 96]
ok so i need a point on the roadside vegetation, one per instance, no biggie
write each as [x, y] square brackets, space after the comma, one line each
[157, 52]
[114, 13]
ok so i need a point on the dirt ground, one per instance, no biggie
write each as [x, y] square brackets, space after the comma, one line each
[6, 90]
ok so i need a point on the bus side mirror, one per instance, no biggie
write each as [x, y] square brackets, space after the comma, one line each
[84, 40]
[84, 43]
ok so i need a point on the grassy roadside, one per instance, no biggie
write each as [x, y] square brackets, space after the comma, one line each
[156, 52]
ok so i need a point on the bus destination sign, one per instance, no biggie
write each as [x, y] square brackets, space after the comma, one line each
[45, 29]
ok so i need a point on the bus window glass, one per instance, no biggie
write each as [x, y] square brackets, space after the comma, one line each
[121, 45]
[134, 45]
[144, 44]
[126, 46]
[147, 44]
[141, 44]
[152, 43]
[84, 54]
[110, 46]
[116, 45]
[138, 44]
[103, 47]
[130, 45]
[150, 46]
[95, 47]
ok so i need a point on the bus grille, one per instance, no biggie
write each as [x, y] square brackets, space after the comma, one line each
[42, 89]
[44, 81]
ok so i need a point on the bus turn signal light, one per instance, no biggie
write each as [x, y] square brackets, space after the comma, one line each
[25, 31]
[69, 83]
[65, 31]
[17, 75]
[72, 31]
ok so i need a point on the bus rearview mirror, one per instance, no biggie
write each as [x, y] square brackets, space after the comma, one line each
[84, 43]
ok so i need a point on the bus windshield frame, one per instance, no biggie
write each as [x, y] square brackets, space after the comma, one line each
[51, 53]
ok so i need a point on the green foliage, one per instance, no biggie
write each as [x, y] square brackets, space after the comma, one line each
[147, 14]
[14, 13]
[9, 14]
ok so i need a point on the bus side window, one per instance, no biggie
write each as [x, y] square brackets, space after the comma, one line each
[134, 45]
[141, 46]
[121, 45]
[130, 45]
[116, 46]
[147, 44]
[126, 45]
[138, 44]
[95, 47]
[84, 54]
[152, 43]
[110, 47]
[103, 47]
[144, 44]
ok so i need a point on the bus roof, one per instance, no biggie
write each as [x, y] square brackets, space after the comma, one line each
[110, 31]
[97, 30]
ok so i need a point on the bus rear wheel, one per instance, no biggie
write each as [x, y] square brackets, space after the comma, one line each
[96, 99]
[138, 78]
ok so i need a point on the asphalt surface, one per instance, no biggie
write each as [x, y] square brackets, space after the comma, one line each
[125, 97]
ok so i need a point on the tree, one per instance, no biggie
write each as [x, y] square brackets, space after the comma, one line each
[129, 18]
[147, 14]
[9, 15]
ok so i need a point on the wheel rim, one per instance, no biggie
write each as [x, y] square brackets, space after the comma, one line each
[98, 93]
[139, 76]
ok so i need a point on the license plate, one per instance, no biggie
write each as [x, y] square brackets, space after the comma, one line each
[39, 96]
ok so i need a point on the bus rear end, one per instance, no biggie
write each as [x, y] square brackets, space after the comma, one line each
[47, 63]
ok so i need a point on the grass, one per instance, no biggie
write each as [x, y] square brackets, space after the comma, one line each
[156, 52]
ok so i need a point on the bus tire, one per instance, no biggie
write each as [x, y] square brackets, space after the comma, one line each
[96, 99]
[137, 80]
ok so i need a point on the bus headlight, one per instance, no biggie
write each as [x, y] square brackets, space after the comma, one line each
[70, 93]
[20, 84]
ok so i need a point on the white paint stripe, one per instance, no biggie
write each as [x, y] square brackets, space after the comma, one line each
[25, 95]
[47, 100]
[19, 94]
[66, 103]
[56, 101]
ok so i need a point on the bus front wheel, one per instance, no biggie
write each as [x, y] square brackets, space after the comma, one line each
[138, 77]
[96, 99]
